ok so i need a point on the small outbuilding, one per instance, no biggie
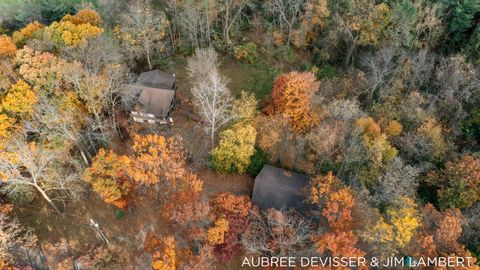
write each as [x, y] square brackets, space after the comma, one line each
[156, 97]
[280, 189]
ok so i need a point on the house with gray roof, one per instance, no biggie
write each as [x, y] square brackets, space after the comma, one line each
[280, 189]
[156, 97]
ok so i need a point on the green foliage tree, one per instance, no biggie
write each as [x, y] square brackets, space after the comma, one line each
[237, 145]
[460, 16]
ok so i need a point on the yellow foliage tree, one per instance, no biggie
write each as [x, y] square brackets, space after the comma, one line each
[390, 235]
[22, 35]
[378, 150]
[6, 124]
[374, 26]
[216, 234]
[433, 132]
[19, 99]
[405, 219]
[7, 47]
[237, 145]
[66, 33]
[245, 107]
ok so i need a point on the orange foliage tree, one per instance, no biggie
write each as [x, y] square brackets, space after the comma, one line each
[7, 47]
[439, 236]
[163, 252]
[235, 209]
[84, 16]
[226, 202]
[291, 97]
[109, 177]
[337, 202]
[459, 182]
[21, 36]
[158, 160]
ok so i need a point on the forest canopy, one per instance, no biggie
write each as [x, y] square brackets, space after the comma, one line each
[375, 103]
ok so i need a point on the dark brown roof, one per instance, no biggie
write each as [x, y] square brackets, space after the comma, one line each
[278, 188]
[156, 79]
[157, 92]
[155, 101]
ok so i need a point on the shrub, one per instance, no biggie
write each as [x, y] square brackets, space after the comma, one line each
[257, 161]
[326, 72]
[247, 53]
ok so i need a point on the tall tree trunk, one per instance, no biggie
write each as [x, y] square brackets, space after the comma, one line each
[45, 196]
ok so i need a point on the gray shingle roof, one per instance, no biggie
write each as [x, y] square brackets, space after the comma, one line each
[278, 188]
[156, 79]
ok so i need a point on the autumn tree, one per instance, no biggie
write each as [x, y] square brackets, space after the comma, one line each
[216, 233]
[287, 14]
[245, 107]
[67, 34]
[378, 149]
[109, 177]
[312, 21]
[236, 146]
[163, 252]
[337, 203]
[7, 47]
[142, 31]
[440, 234]
[228, 203]
[393, 233]
[458, 183]
[43, 70]
[354, 23]
[162, 161]
[338, 244]
[235, 209]
[21, 36]
[291, 97]
[19, 99]
[83, 16]
[398, 179]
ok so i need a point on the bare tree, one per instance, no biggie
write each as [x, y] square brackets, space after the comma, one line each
[213, 102]
[142, 30]
[287, 14]
[29, 166]
[201, 63]
[456, 82]
[277, 233]
[231, 11]
[211, 97]
[379, 69]
[399, 179]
